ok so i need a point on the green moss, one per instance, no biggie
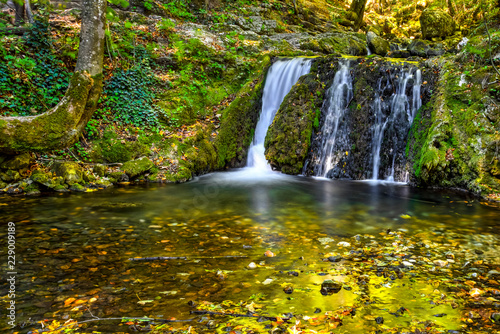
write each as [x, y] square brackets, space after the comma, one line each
[240, 118]
[200, 153]
[289, 136]
[137, 167]
[183, 174]
[111, 149]
[77, 187]
[450, 134]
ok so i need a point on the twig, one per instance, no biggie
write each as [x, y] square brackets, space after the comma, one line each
[84, 163]
[238, 315]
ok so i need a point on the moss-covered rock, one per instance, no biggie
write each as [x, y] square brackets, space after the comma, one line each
[77, 187]
[334, 43]
[453, 142]
[377, 44]
[289, 136]
[112, 149]
[17, 162]
[421, 48]
[71, 172]
[436, 24]
[99, 169]
[137, 167]
[183, 174]
[238, 121]
[201, 156]
[10, 176]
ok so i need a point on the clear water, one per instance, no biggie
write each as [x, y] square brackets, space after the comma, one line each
[78, 246]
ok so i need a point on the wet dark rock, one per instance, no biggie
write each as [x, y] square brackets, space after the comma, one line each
[317, 310]
[347, 288]
[478, 251]
[288, 290]
[336, 258]
[329, 287]
[14, 191]
[379, 320]
[211, 324]
[293, 273]
[440, 315]
[192, 303]
[123, 178]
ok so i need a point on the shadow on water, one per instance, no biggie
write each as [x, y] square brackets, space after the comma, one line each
[73, 251]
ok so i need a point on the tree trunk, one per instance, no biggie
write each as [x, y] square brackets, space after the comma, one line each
[358, 11]
[29, 13]
[62, 125]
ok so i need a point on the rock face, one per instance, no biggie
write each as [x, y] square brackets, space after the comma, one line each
[377, 44]
[454, 142]
[289, 136]
[238, 121]
[257, 24]
[436, 24]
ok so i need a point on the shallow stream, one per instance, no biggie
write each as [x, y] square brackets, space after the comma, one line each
[255, 245]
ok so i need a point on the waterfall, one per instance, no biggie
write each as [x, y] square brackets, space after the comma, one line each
[399, 120]
[339, 95]
[282, 75]
[416, 99]
[378, 129]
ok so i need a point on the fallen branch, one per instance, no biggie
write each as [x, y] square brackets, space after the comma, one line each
[19, 31]
[165, 258]
[238, 315]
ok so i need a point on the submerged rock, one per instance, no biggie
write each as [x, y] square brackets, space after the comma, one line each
[329, 287]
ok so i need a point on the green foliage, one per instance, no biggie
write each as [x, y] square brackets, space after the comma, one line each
[32, 79]
[130, 96]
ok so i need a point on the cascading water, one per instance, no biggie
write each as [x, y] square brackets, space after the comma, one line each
[281, 77]
[340, 94]
[399, 120]
[378, 129]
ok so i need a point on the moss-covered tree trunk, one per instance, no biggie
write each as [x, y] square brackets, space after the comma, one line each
[356, 13]
[61, 126]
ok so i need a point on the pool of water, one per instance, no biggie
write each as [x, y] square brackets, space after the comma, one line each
[405, 255]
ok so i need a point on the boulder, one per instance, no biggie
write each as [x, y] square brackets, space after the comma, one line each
[425, 49]
[137, 167]
[17, 162]
[71, 172]
[377, 44]
[436, 24]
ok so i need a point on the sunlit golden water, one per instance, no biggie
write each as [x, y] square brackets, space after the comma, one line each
[73, 253]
